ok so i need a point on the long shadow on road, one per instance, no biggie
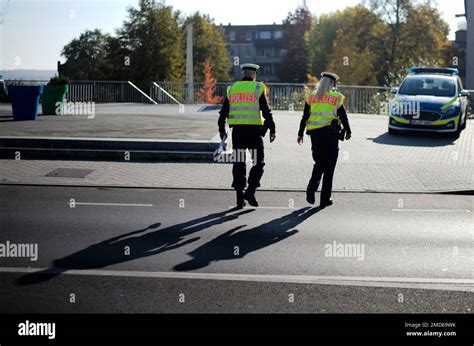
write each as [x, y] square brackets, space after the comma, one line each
[113, 251]
[414, 140]
[235, 244]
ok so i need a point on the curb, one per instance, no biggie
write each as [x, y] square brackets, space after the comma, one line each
[414, 192]
[97, 149]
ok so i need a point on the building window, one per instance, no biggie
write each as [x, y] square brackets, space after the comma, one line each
[265, 35]
[248, 52]
[283, 52]
[248, 36]
[266, 52]
[232, 36]
[267, 69]
[277, 34]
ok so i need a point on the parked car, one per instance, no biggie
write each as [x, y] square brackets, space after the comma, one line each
[429, 99]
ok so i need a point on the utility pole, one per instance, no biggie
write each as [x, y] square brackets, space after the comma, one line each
[189, 63]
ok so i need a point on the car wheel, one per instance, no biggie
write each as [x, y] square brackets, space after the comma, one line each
[392, 131]
[465, 121]
[458, 131]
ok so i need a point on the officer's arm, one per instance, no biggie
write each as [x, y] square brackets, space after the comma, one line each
[304, 119]
[267, 113]
[224, 112]
[341, 113]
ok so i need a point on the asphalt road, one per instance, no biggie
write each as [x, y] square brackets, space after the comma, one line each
[157, 250]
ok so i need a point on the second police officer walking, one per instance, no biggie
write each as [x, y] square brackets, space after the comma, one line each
[243, 107]
[324, 113]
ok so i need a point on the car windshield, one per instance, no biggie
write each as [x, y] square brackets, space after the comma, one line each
[429, 85]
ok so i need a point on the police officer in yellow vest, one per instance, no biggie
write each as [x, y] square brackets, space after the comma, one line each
[248, 114]
[324, 113]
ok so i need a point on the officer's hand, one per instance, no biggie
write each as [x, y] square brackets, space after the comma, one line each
[300, 140]
[272, 137]
[348, 135]
[222, 135]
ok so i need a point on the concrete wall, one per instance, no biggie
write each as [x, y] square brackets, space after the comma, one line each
[470, 45]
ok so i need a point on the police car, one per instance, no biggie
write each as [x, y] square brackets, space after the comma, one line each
[429, 99]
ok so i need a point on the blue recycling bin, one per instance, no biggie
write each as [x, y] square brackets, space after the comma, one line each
[25, 101]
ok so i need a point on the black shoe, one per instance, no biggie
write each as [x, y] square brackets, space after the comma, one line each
[310, 197]
[240, 200]
[249, 195]
[325, 204]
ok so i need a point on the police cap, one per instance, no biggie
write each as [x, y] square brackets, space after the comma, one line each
[330, 75]
[252, 67]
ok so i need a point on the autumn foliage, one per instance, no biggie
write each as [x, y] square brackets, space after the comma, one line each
[209, 88]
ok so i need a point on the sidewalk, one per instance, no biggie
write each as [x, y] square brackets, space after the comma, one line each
[371, 161]
[141, 121]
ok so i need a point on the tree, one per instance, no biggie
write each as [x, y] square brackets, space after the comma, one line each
[208, 45]
[4, 10]
[85, 56]
[295, 27]
[425, 30]
[117, 63]
[355, 50]
[376, 44]
[209, 88]
[320, 40]
[394, 14]
[153, 38]
[416, 35]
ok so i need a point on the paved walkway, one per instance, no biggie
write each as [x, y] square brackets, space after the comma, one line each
[372, 161]
[118, 121]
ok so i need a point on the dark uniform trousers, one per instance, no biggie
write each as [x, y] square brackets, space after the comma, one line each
[247, 137]
[325, 148]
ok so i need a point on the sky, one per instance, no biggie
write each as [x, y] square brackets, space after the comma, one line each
[34, 32]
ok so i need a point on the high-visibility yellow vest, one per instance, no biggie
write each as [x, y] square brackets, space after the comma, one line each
[323, 109]
[244, 105]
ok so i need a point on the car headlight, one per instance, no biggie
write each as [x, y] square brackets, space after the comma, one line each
[451, 110]
[394, 108]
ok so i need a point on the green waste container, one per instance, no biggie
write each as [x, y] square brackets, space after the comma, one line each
[52, 94]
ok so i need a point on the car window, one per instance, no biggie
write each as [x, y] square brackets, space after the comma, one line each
[429, 85]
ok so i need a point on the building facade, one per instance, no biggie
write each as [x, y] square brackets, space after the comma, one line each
[460, 44]
[259, 44]
[469, 5]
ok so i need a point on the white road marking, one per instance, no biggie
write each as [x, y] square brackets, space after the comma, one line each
[112, 204]
[435, 210]
[424, 283]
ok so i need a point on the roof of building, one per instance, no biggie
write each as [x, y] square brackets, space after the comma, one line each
[253, 27]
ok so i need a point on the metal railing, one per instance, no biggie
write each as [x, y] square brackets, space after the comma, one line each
[106, 92]
[359, 99]
[183, 93]
[99, 91]
[25, 82]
